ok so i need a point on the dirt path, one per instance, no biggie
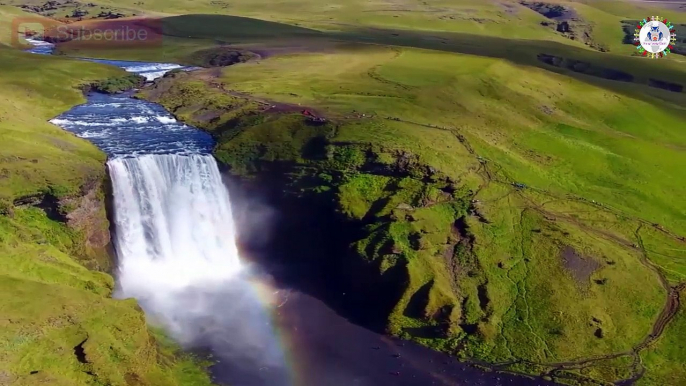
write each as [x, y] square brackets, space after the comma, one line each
[672, 303]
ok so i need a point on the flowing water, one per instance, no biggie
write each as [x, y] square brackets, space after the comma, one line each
[125, 127]
[175, 240]
[174, 228]
[150, 71]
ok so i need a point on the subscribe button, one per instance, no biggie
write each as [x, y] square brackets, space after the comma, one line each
[120, 32]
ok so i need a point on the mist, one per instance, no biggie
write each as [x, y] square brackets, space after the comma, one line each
[176, 244]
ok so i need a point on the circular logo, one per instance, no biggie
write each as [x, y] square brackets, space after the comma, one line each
[654, 37]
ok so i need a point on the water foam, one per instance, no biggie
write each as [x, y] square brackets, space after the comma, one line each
[175, 230]
[135, 119]
[152, 71]
[165, 120]
[40, 47]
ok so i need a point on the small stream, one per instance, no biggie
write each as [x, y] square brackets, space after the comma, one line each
[261, 334]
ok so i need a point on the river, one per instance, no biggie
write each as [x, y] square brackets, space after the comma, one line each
[175, 243]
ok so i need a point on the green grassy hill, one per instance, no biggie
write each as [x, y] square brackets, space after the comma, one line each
[517, 190]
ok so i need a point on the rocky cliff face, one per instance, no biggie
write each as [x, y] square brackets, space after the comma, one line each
[86, 215]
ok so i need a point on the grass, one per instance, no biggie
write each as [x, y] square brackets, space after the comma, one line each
[552, 310]
[175, 50]
[36, 154]
[502, 18]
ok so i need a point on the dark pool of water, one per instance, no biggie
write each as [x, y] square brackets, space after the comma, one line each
[323, 348]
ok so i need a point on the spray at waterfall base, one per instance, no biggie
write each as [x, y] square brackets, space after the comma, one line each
[176, 244]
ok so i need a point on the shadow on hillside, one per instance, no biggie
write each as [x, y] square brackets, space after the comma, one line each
[230, 28]
[633, 76]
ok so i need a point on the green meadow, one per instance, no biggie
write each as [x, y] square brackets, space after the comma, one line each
[531, 206]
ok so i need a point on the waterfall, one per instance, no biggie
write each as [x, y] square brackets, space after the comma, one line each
[174, 230]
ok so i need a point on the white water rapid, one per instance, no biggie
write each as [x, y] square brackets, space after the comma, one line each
[174, 231]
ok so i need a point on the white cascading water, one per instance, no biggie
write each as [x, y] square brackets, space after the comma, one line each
[174, 231]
